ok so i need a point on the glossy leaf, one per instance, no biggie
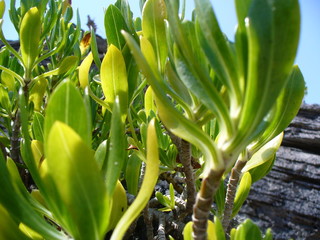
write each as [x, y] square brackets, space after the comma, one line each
[264, 154]
[66, 105]
[84, 71]
[116, 149]
[171, 117]
[8, 80]
[149, 102]
[114, 81]
[213, 231]
[30, 31]
[154, 14]
[268, 235]
[242, 193]
[37, 126]
[217, 48]
[79, 184]
[147, 187]
[133, 173]
[2, 8]
[247, 231]
[262, 170]
[101, 154]
[273, 32]
[9, 229]
[287, 106]
[37, 92]
[114, 23]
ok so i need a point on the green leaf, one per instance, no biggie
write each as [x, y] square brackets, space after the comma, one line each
[114, 79]
[101, 154]
[4, 99]
[273, 32]
[37, 92]
[30, 31]
[66, 105]
[242, 9]
[219, 198]
[262, 170]
[247, 231]
[79, 183]
[116, 149]
[242, 193]
[149, 102]
[171, 117]
[213, 231]
[9, 229]
[84, 71]
[153, 27]
[287, 106]
[37, 126]
[114, 23]
[217, 49]
[133, 173]
[147, 187]
[94, 49]
[2, 8]
[264, 154]
[268, 235]
[8, 80]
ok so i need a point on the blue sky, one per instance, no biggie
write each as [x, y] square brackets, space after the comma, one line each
[308, 57]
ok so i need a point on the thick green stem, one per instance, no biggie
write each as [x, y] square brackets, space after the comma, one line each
[231, 192]
[202, 207]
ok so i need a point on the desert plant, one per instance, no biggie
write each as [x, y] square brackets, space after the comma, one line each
[171, 98]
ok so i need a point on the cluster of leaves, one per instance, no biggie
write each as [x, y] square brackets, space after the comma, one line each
[171, 98]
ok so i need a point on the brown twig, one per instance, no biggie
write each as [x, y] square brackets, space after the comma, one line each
[231, 192]
[148, 221]
[202, 207]
[162, 228]
[185, 158]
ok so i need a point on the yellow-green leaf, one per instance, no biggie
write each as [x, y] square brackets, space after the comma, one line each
[113, 76]
[153, 27]
[79, 183]
[84, 71]
[30, 31]
[2, 8]
[8, 80]
[147, 187]
[37, 92]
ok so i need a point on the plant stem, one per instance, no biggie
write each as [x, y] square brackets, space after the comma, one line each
[161, 228]
[148, 221]
[15, 139]
[231, 192]
[185, 158]
[202, 207]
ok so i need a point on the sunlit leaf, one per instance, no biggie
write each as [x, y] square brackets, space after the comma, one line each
[30, 31]
[66, 105]
[37, 92]
[147, 187]
[114, 81]
[79, 183]
[153, 26]
[84, 70]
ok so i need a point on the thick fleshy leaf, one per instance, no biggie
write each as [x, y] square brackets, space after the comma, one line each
[273, 32]
[133, 173]
[111, 168]
[264, 154]
[37, 126]
[66, 105]
[79, 183]
[149, 102]
[288, 105]
[19, 208]
[242, 192]
[2, 8]
[217, 49]
[147, 187]
[114, 81]
[114, 23]
[214, 231]
[84, 71]
[248, 231]
[154, 14]
[37, 92]
[174, 120]
[9, 229]
[30, 31]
